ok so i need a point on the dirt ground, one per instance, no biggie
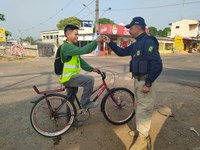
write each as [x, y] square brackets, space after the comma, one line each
[167, 132]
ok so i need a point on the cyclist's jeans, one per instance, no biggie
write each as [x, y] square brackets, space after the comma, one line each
[145, 106]
[80, 80]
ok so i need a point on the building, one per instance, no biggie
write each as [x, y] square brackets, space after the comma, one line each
[186, 35]
[57, 36]
[53, 38]
[185, 28]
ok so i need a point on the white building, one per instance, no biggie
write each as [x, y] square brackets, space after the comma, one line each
[57, 36]
[185, 28]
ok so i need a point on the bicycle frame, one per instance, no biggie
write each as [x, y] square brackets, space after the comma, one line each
[60, 110]
[101, 88]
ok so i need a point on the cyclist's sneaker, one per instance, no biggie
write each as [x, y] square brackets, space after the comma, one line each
[90, 105]
[77, 123]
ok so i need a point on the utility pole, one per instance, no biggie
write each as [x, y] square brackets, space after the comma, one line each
[182, 16]
[97, 17]
[96, 26]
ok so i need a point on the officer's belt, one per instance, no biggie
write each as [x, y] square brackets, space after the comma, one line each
[141, 78]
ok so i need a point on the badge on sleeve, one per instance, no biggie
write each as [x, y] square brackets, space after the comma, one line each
[150, 49]
[138, 53]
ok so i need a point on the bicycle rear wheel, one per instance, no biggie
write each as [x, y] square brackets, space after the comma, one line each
[52, 115]
[118, 106]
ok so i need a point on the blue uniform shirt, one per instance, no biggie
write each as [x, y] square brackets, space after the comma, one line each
[149, 47]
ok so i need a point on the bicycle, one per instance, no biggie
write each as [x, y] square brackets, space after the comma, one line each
[53, 114]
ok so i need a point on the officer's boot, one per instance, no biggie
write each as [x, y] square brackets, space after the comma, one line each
[141, 143]
[133, 134]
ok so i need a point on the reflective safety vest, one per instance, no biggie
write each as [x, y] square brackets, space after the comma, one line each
[70, 68]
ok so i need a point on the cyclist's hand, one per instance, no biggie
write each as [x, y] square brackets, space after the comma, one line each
[99, 38]
[96, 70]
[106, 39]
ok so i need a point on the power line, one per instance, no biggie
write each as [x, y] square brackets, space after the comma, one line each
[124, 9]
[53, 16]
[105, 11]
[84, 8]
[161, 6]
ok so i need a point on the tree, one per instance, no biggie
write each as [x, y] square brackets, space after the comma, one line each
[30, 40]
[8, 33]
[153, 31]
[160, 33]
[106, 21]
[2, 17]
[71, 20]
[166, 31]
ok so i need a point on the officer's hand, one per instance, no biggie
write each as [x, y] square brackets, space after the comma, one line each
[99, 38]
[106, 39]
[146, 89]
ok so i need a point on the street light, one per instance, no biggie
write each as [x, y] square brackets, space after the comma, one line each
[105, 11]
[88, 9]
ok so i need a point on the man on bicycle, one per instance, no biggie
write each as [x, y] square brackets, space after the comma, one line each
[71, 77]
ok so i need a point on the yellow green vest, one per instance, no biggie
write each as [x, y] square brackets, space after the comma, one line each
[70, 68]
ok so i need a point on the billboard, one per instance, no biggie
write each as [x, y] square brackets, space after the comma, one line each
[2, 35]
[178, 43]
[111, 29]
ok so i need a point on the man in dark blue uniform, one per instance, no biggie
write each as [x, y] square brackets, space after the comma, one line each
[146, 66]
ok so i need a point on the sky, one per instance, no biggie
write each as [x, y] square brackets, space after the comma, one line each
[30, 17]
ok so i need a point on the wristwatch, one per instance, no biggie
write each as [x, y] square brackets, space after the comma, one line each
[147, 84]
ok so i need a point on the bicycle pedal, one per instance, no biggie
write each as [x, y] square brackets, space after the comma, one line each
[82, 111]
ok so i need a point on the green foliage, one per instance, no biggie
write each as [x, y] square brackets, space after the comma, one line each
[106, 21]
[8, 33]
[153, 31]
[29, 39]
[71, 20]
[166, 31]
[161, 33]
[2, 17]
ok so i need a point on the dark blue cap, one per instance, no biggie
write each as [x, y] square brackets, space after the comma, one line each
[137, 21]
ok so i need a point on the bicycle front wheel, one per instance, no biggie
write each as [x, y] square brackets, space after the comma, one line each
[118, 106]
[52, 115]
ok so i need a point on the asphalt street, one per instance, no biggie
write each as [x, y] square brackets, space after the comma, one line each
[18, 76]
[178, 68]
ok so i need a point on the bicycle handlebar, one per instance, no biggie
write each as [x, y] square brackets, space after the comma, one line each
[103, 74]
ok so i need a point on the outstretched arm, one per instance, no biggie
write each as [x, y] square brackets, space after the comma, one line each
[118, 50]
[71, 49]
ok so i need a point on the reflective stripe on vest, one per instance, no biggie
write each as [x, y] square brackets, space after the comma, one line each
[70, 68]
